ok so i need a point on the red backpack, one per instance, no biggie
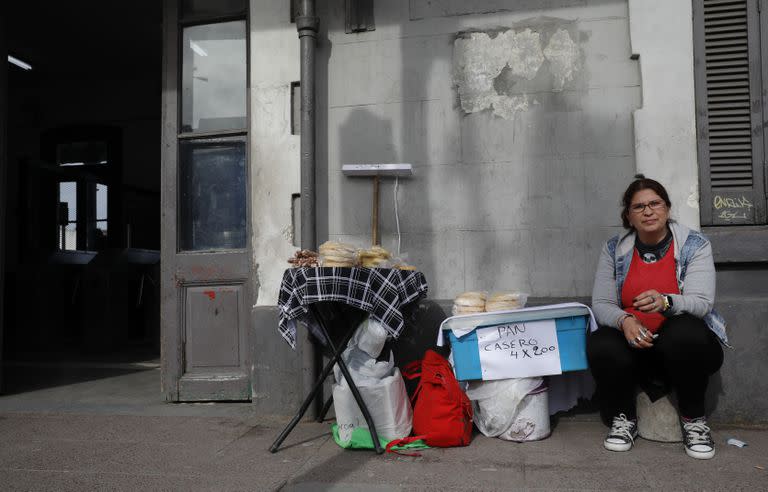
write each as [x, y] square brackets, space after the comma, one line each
[442, 413]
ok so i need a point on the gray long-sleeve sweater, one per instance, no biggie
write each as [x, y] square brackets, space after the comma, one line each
[696, 280]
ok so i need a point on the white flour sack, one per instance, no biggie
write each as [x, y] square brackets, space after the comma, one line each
[381, 387]
[511, 409]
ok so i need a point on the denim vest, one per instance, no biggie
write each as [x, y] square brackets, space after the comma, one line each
[693, 242]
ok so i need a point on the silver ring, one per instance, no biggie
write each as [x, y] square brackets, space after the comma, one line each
[638, 339]
[632, 342]
[643, 333]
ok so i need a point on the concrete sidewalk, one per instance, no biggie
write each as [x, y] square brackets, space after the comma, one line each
[113, 434]
[64, 451]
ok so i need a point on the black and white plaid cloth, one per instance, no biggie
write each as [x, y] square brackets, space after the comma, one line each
[379, 291]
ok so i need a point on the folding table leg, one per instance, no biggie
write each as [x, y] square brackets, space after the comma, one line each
[311, 396]
[353, 388]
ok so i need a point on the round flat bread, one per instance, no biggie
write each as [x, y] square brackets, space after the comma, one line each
[490, 307]
[467, 310]
[504, 296]
[338, 264]
[504, 303]
[372, 263]
[337, 252]
[471, 299]
[373, 258]
[473, 294]
[334, 246]
[375, 252]
[339, 258]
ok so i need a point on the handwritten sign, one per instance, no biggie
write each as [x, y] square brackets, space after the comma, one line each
[519, 350]
[736, 208]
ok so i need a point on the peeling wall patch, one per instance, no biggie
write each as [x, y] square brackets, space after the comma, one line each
[507, 106]
[563, 56]
[480, 59]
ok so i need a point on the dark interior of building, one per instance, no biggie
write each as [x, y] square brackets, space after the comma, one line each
[83, 187]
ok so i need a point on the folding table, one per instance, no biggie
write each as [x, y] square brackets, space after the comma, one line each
[381, 292]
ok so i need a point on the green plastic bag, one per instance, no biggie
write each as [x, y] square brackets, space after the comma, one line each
[361, 439]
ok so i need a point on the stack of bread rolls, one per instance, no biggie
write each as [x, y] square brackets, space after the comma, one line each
[336, 254]
[374, 257]
[504, 301]
[469, 303]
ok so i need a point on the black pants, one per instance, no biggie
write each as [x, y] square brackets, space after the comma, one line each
[684, 355]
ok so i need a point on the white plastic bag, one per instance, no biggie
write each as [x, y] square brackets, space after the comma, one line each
[370, 337]
[532, 420]
[387, 403]
[363, 368]
[511, 409]
[380, 384]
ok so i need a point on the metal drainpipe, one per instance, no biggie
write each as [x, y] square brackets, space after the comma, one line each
[306, 25]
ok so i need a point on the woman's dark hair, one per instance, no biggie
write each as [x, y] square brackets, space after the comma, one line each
[641, 183]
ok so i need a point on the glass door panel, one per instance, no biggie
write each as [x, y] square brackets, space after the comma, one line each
[214, 77]
[212, 197]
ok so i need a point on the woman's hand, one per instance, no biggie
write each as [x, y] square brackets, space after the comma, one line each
[649, 301]
[636, 334]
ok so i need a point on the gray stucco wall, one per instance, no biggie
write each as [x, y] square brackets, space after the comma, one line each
[739, 392]
[280, 376]
[518, 124]
[516, 184]
[521, 140]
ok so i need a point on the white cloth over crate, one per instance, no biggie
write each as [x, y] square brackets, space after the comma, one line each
[464, 323]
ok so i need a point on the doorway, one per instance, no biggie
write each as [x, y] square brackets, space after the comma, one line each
[82, 199]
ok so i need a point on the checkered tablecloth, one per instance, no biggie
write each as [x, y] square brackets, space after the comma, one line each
[378, 291]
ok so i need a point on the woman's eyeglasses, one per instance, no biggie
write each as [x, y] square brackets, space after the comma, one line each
[639, 208]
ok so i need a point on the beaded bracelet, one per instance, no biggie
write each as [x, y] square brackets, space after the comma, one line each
[622, 319]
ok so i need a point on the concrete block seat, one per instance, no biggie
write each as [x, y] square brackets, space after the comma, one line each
[658, 420]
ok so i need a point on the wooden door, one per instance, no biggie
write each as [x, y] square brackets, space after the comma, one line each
[205, 238]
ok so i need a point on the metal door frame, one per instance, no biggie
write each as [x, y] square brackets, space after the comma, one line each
[3, 171]
[170, 342]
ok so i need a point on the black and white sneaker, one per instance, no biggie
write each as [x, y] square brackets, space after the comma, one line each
[698, 438]
[622, 434]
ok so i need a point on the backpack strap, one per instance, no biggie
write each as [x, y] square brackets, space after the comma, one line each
[412, 370]
[416, 393]
[401, 442]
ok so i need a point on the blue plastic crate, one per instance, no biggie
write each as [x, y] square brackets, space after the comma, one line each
[571, 339]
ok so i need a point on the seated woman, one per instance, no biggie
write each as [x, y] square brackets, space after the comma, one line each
[653, 296]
